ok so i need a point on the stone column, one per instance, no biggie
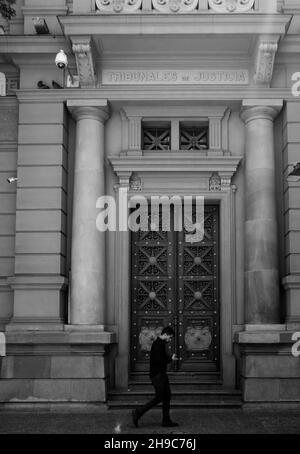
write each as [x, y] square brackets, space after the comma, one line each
[261, 254]
[88, 244]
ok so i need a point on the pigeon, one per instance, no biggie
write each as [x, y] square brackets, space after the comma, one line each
[56, 85]
[41, 84]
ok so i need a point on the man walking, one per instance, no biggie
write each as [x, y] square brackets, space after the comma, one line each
[159, 360]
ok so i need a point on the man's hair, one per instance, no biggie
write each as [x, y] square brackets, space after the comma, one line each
[168, 330]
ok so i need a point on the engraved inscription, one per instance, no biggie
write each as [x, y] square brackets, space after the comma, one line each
[181, 77]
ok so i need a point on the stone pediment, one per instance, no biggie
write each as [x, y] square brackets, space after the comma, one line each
[187, 169]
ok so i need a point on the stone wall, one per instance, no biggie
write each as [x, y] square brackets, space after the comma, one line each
[291, 194]
[8, 168]
[41, 218]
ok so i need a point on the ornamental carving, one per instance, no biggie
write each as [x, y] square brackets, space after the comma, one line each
[118, 6]
[215, 182]
[152, 295]
[135, 183]
[147, 336]
[197, 338]
[265, 62]
[85, 64]
[175, 6]
[231, 6]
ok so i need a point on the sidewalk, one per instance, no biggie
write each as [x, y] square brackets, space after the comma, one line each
[202, 421]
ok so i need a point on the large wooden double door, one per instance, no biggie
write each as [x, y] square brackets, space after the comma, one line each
[176, 283]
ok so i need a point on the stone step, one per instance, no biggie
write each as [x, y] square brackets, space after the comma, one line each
[193, 385]
[179, 377]
[119, 405]
[179, 397]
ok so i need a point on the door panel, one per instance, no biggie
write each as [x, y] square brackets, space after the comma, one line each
[176, 283]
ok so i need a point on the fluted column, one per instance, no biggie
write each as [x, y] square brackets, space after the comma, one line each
[261, 250]
[88, 244]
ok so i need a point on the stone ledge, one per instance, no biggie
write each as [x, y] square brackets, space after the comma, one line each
[264, 337]
[57, 407]
[56, 282]
[291, 281]
[60, 337]
[153, 24]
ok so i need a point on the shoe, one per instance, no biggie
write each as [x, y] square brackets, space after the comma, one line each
[169, 424]
[135, 418]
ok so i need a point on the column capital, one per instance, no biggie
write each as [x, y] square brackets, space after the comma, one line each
[254, 109]
[85, 109]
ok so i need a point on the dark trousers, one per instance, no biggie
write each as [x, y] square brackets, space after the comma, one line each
[162, 394]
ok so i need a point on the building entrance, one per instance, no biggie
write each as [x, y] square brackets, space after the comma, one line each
[176, 283]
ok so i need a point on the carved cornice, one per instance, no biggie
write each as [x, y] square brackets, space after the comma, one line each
[175, 6]
[118, 6]
[82, 48]
[231, 6]
[265, 62]
[177, 162]
[181, 24]
[156, 93]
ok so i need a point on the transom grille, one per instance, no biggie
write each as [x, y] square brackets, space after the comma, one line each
[156, 138]
[193, 138]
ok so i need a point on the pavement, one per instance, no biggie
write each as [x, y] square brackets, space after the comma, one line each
[194, 421]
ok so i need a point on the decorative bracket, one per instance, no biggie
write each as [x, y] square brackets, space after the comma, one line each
[265, 59]
[220, 181]
[82, 48]
[135, 182]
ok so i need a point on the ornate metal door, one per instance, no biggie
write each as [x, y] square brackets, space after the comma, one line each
[176, 283]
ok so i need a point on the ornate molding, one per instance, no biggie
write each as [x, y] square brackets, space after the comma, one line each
[231, 6]
[175, 6]
[220, 182]
[88, 109]
[225, 166]
[118, 6]
[82, 49]
[136, 183]
[265, 62]
[215, 182]
[250, 113]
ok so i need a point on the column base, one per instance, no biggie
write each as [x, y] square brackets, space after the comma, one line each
[39, 302]
[291, 285]
[55, 368]
[269, 373]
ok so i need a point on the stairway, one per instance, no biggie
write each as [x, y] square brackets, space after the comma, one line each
[188, 391]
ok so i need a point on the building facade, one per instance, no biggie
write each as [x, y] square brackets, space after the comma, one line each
[187, 98]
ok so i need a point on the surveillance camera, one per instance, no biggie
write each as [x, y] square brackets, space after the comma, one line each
[12, 180]
[61, 60]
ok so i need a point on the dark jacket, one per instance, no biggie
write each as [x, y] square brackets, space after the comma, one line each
[159, 358]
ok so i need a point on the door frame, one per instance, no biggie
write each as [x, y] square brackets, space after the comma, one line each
[225, 198]
[174, 242]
